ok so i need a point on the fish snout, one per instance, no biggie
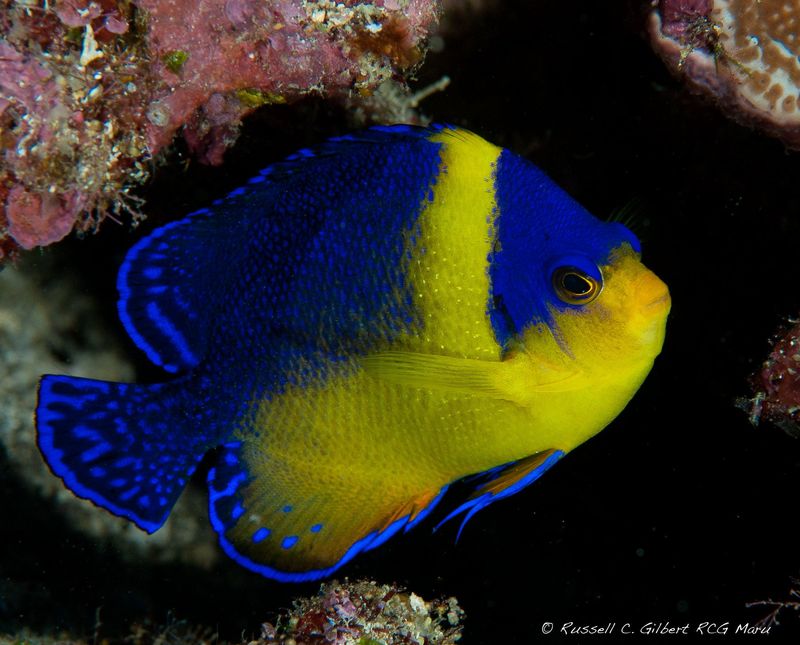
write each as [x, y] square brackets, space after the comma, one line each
[652, 295]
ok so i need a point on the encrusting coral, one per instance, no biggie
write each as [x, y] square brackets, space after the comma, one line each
[776, 385]
[366, 613]
[743, 54]
[348, 613]
[92, 90]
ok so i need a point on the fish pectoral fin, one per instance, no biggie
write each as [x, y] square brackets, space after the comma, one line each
[507, 380]
[431, 371]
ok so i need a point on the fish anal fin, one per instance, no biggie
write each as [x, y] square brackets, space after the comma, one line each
[421, 504]
[295, 528]
[412, 510]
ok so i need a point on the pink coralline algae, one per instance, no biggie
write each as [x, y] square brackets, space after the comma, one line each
[777, 385]
[741, 53]
[91, 90]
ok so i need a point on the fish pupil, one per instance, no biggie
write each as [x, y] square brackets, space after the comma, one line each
[576, 284]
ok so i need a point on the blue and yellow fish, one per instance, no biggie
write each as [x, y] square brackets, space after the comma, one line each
[351, 332]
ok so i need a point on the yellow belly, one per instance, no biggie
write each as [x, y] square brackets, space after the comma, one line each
[357, 453]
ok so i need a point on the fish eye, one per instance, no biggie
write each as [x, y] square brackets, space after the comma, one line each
[574, 286]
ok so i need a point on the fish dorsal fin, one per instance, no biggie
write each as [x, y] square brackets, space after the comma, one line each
[169, 285]
[509, 380]
[504, 481]
[171, 281]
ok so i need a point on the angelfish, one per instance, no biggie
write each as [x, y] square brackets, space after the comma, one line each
[349, 333]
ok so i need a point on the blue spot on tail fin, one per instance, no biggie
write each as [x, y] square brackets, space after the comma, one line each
[170, 282]
[503, 481]
[115, 445]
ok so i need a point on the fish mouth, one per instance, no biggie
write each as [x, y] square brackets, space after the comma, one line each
[657, 304]
[653, 295]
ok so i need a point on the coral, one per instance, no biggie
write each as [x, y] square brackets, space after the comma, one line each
[279, 50]
[48, 324]
[366, 613]
[743, 54]
[91, 90]
[394, 103]
[71, 144]
[777, 385]
[357, 613]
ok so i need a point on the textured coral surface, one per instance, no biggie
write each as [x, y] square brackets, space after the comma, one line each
[777, 384]
[741, 53]
[347, 613]
[366, 612]
[90, 91]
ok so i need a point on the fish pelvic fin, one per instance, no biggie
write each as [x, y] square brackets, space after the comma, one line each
[503, 482]
[116, 445]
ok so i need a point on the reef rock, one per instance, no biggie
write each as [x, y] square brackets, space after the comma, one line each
[91, 90]
[742, 54]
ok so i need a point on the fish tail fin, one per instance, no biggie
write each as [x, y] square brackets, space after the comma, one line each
[118, 445]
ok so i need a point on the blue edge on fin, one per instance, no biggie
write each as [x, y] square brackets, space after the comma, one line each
[79, 425]
[54, 459]
[236, 479]
[158, 314]
[472, 506]
[151, 321]
[225, 479]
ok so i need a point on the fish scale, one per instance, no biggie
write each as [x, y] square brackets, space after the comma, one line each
[353, 331]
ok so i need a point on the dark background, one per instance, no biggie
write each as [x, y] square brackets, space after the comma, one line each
[679, 511]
